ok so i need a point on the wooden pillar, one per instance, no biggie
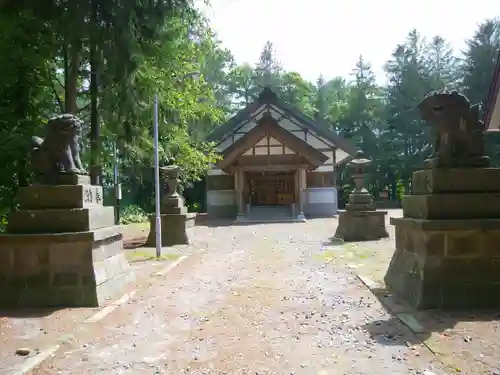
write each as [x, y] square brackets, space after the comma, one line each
[334, 162]
[296, 192]
[238, 189]
[302, 191]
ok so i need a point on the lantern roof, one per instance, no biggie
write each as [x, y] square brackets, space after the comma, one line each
[360, 160]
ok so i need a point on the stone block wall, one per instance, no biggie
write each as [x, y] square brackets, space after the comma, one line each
[77, 269]
[446, 264]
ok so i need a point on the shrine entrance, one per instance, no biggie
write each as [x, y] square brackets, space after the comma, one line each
[271, 188]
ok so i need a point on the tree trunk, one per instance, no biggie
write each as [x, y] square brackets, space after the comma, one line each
[22, 115]
[72, 60]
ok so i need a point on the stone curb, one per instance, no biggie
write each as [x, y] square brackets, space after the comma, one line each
[403, 313]
[35, 361]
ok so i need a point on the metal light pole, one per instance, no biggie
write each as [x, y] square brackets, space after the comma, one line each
[193, 75]
[157, 180]
[118, 190]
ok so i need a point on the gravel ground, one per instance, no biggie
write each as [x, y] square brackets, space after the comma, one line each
[261, 300]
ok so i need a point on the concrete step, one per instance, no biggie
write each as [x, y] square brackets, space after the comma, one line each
[269, 214]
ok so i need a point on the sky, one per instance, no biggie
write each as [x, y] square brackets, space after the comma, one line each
[326, 37]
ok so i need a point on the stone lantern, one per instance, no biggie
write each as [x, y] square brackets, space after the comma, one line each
[170, 179]
[360, 198]
[360, 221]
[175, 220]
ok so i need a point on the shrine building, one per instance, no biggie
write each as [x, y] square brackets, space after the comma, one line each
[492, 114]
[277, 163]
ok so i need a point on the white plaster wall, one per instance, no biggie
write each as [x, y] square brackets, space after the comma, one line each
[221, 198]
[321, 202]
[322, 195]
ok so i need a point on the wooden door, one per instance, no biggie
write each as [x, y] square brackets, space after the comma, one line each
[269, 188]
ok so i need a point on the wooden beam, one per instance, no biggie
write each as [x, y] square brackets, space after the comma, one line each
[264, 168]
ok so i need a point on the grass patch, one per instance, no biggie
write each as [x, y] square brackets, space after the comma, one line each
[142, 255]
[346, 251]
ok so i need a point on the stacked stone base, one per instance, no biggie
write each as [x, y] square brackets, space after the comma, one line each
[361, 226]
[360, 221]
[55, 270]
[62, 250]
[174, 229]
[446, 264]
[447, 253]
[175, 222]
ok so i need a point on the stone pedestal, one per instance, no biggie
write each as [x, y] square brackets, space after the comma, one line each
[447, 252]
[61, 248]
[175, 221]
[360, 221]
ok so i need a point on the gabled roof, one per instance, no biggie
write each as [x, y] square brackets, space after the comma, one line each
[267, 126]
[492, 112]
[269, 97]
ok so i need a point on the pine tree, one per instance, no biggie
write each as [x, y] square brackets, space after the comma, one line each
[268, 70]
[442, 64]
[479, 60]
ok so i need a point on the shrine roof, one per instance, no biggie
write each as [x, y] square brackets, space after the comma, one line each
[492, 112]
[269, 98]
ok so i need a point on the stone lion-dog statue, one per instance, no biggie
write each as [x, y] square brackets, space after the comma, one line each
[59, 151]
[458, 131]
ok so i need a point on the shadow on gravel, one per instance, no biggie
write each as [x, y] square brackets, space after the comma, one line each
[134, 243]
[213, 223]
[420, 324]
[28, 313]
[392, 332]
[334, 241]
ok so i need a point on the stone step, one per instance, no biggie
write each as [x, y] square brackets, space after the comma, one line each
[60, 220]
[268, 214]
[452, 206]
[41, 197]
[456, 180]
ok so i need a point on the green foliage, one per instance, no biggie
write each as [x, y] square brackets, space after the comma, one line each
[194, 207]
[132, 214]
[400, 190]
[141, 49]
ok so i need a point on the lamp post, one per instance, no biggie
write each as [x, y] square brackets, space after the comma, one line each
[194, 75]
[117, 185]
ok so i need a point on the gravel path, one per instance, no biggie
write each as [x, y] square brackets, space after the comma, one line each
[260, 300]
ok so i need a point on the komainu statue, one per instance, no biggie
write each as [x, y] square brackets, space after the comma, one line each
[458, 131]
[59, 151]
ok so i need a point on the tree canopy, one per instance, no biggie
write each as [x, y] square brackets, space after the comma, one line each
[106, 60]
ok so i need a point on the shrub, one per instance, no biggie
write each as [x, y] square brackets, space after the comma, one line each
[195, 207]
[132, 214]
